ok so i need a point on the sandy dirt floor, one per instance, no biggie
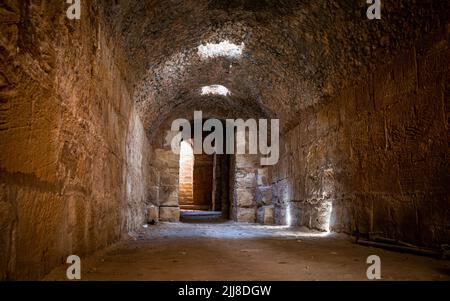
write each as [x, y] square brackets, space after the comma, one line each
[231, 251]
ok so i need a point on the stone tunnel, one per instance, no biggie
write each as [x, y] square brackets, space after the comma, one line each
[87, 167]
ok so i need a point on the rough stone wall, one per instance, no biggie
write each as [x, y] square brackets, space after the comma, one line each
[244, 204]
[265, 208]
[72, 148]
[164, 184]
[203, 181]
[137, 173]
[377, 153]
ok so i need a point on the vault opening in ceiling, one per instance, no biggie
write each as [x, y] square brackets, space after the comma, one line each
[215, 90]
[223, 49]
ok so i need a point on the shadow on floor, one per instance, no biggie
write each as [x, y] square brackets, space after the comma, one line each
[210, 217]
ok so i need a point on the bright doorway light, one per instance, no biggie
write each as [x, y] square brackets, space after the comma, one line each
[186, 179]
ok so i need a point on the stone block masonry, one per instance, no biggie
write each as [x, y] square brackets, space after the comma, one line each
[376, 152]
[85, 105]
[73, 152]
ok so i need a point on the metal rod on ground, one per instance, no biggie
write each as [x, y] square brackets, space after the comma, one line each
[414, 250]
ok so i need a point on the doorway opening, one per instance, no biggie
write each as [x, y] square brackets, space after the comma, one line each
[204, 184]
